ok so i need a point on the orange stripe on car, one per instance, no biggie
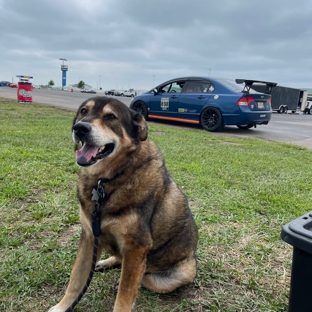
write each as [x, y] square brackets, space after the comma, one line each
[174, 119]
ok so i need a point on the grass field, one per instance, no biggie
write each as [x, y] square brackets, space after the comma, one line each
[241, 192]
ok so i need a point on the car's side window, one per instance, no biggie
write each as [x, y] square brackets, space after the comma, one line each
[176, 87]
[165, 88]
[199, 87]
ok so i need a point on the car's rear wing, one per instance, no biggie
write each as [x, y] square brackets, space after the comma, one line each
[258, 85]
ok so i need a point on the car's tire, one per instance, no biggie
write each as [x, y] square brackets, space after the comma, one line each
[132, 95]
[141, 108]
[285, 109]
[245, 126]
[281, 110]
[211, 119]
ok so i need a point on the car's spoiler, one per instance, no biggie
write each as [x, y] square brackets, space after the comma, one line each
[267, 85]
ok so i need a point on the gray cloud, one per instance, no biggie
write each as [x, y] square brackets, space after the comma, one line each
[127, 43]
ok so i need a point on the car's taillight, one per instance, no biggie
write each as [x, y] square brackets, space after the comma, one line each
[245, 101]
[269, 100]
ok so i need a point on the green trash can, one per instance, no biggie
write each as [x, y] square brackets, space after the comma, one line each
[298, 233]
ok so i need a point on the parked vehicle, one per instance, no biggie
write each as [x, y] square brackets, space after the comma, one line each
[5, 83]
[130, 93]
[284, 98]
[119, 92]
[210, 102]
[110, 92]
[13, 85]
[308, 106]
[88, 91]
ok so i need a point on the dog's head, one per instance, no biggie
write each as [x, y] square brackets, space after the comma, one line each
[104, 127]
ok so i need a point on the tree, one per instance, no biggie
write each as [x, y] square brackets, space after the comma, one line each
[80, 84]
[51, 83]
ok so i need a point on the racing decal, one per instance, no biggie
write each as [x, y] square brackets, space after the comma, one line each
[186, 110]
[164, 103]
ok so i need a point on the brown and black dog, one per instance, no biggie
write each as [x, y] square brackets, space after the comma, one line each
[146, 223]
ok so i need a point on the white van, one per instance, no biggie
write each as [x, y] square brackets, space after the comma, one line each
[308, 105]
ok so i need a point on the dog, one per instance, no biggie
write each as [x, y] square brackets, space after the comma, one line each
[146, 224]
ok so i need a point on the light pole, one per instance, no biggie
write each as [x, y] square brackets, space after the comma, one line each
[100, 83]
[64, 69]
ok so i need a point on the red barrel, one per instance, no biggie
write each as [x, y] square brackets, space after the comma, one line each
[24, 92]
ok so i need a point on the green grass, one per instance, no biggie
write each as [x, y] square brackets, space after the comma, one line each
[241, 191]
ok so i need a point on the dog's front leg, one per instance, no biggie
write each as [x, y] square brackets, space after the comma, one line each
[132, 270]
[80, 272]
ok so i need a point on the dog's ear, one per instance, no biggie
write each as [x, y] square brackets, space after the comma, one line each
[141, 126]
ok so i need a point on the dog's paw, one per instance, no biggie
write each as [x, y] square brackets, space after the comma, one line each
[101, 266]
[56, 308]
[107, 264]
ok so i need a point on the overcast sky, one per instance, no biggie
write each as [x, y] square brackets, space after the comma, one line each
[138, 43]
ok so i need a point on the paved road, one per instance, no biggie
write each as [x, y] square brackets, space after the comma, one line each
[289, 128]
[56, 98]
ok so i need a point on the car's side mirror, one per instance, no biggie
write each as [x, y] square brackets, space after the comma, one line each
[155, 91]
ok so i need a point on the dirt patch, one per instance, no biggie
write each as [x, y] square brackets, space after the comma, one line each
[68, 233]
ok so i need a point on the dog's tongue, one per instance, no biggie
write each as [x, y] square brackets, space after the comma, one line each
[84, 155]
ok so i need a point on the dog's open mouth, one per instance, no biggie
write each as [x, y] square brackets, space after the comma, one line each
[88, 155]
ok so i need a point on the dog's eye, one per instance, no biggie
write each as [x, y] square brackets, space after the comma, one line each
[109, 117]
[83, 111]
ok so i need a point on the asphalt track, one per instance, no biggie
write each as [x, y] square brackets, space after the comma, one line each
[287, 128]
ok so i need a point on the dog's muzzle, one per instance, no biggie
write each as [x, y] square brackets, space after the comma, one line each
[81, 130]
[91, 151]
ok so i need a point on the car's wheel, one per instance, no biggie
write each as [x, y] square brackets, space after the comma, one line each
[132, 95]
[211, 119]
[285, 109]
[141, 108]
[281, 110]
[244, 126]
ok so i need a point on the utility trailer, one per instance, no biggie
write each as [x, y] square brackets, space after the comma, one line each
[284, 99]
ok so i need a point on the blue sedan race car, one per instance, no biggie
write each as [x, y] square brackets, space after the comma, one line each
[210, 102]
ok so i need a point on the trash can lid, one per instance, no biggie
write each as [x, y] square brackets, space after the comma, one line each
[298, 232]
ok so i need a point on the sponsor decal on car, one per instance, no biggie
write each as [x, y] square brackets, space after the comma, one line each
[185, 110]
[164, 103]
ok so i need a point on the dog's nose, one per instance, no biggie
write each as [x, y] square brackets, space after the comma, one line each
[81, 129]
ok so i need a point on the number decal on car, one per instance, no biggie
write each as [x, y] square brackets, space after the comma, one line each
[164, 103]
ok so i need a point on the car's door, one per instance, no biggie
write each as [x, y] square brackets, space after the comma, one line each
[165, 100]
[194, 96]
